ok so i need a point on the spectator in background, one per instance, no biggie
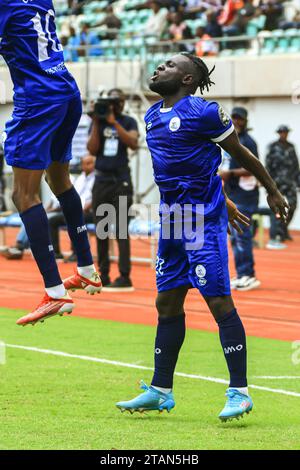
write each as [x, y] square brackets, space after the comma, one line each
[76, 6]
[229, 11]
[111, 21]
[294, 23]
[213, 28]
[89, 38]
[283, 165]
[83, 185]
[179, 30]
[73, 42]
[205, 46]
[64, 40]
[274, 11]
[155, 24]
[84, 38]
[174, 6]
[111, 136]
[195, 8]
[240, 20]
[242, 188]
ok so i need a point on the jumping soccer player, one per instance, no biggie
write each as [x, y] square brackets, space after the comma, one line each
[183, 134]
[47, 110]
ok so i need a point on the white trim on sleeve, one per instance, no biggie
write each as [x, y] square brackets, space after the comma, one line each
[224, 135]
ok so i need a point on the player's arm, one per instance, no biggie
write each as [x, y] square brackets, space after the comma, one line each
[235, 217]
[94, 141]
[247, 160]
[128, 137]
[236, 172]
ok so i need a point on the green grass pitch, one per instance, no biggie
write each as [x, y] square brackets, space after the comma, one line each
[55, 402]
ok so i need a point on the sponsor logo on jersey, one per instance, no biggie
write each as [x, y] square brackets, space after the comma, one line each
[174, 124]
[149, 125]
[224, 117]
[157, 351]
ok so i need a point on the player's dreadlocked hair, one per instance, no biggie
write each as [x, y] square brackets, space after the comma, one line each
[205, 82]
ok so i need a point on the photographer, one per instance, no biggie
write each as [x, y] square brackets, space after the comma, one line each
[112, 134]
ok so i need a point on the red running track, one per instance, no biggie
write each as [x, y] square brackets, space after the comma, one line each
[272, 311]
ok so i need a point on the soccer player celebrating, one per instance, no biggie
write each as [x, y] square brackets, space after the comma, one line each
[184, 133]
[47, 110]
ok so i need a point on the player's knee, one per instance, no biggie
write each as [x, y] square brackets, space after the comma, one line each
[23, 199]
[162, 305]
[220, 305]
[165, 306]
[59, 186]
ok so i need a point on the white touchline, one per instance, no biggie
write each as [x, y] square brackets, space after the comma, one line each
[135, 366]
[277, 377]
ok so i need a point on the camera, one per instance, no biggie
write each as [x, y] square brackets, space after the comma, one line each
[102, 107]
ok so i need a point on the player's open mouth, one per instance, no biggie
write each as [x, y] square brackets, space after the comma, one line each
[154, 77]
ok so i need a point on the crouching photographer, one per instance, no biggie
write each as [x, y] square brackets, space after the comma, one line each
[112, 134]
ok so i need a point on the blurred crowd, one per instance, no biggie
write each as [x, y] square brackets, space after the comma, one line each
[170, 20]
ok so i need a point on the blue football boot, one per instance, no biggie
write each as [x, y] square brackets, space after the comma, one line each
[236, 405]
[150, 400]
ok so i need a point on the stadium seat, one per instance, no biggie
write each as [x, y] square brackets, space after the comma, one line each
[281, 41]
[239, 52]
[255, 25]
[268, 42]
[226, 53]
[294, 39]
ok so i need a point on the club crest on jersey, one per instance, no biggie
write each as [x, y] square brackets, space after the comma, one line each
[224, 117]
[174, 124]
[200, 270]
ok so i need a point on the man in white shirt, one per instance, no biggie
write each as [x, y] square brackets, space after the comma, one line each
[157, 21]
[83, 185]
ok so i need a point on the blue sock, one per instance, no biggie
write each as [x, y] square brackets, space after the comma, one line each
[233, 340]
[71, 206]
[169, 339]
[36, 225]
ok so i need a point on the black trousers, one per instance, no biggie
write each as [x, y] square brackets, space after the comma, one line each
[109, 192]
[57, 220]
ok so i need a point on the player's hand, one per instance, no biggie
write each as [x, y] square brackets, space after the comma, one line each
[91, 113]
[235, 217]
[279, 205]
[111, 118]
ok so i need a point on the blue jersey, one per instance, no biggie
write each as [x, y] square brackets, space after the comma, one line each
[183, 144]
[33, 53]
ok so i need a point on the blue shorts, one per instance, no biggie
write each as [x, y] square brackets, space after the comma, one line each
[205, 268]
[38, 135]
